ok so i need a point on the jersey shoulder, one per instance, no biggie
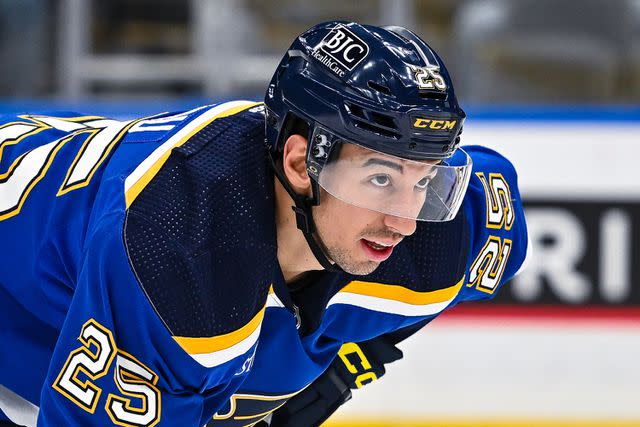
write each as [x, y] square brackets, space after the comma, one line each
[200, 231]
[498, 229]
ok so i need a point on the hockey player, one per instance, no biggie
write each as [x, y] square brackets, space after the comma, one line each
[154, 273]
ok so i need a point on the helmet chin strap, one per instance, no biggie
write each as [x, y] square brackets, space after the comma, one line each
[304, 217]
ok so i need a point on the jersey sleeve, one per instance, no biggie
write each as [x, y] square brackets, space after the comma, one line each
[497, 226]
[116, 362]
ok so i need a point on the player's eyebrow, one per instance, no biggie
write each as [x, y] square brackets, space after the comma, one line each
[381, 162]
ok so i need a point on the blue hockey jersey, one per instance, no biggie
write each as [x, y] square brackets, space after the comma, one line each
[139, 280]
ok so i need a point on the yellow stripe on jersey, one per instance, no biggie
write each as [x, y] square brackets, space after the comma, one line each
[402, 294]
[207, 345]
[144, 173]
[394, 299]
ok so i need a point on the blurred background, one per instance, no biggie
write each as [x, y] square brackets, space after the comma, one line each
[552, 84]
[499, 51]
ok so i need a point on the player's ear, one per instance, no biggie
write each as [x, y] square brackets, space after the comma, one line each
[294, 163]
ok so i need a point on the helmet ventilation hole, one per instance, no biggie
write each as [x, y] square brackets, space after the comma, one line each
[379, 88]
[441, 96]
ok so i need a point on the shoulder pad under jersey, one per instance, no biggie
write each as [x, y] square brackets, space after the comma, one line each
[200, 235]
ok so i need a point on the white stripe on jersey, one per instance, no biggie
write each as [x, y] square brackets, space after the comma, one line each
[147, 163]
[17, 409]
[388, 305]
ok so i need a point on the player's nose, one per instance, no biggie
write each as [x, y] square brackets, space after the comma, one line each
[404, 226]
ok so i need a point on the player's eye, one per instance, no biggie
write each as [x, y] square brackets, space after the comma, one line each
[381, 180]
[423, 183]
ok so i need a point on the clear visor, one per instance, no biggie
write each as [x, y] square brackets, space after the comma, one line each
[428, 190]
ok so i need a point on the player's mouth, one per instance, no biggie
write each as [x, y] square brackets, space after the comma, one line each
[377, 251]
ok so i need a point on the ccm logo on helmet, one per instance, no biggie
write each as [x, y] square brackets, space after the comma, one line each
[341, 50]
[423, 123]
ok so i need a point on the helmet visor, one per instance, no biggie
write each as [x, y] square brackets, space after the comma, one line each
[425, 190]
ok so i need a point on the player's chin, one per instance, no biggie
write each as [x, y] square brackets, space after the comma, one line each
[360, 268]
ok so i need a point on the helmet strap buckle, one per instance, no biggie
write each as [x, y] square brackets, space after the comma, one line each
[304, 223]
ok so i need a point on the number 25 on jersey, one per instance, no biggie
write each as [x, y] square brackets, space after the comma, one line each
[488, 267]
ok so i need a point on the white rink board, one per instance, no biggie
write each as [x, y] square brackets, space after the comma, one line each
[466, 370]
[566, 160]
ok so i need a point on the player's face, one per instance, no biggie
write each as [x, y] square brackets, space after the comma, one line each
[359, 239]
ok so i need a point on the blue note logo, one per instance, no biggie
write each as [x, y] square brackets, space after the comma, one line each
[248, 364]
